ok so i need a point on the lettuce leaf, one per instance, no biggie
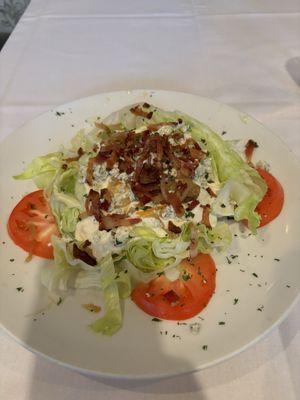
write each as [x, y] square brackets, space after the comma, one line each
[42, 169]
[218, 238]
[149, 252]
[68, 273]
[111, 322]
[246, 186]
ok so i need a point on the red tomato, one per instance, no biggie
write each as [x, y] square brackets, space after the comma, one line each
[31, 225]
[271, 205]
[183, 298]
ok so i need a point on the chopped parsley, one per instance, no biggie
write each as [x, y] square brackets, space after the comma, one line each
[229, 262]
[156, 319]
[188, 214]
[204, 347]
[59, 301]
[277, 259]
[221, 323]
[59, 113]
[186, 276]
[20, 289]
[254, 274]
[235, 301]
[11, 259]
[260, 308]
[223, 205]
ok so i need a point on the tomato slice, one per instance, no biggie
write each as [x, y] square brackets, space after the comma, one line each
[183, 298]
[271, 205]
[31, 225]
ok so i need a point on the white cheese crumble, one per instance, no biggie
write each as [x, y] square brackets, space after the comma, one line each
[173, 172]
[86, 228]
[213, 220]
[168, 214]
[122, 235]
[165, 130]
[102, 244]
[204, 198]
[198, 213]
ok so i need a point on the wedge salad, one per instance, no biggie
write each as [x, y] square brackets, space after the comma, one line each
[135, 206]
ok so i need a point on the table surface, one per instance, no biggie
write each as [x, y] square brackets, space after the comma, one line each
[243, 53]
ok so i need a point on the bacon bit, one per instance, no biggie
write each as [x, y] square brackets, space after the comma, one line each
[137, 110]
[80, 153]
[92, 307]
[172, 297]
[83, 215]
[149, 174]
[110, 162]
[92, 204]
[146, 105]
[84, 256]
[102, 126]
[176, 204]
[105, 199]
[173, 228]
[29, 257]
[192, 205]
[90, 170]
[211, 192]
[197, 153]
[249, 148]
[112, 221]
[87, 243]
[149, 212]
[205, 216]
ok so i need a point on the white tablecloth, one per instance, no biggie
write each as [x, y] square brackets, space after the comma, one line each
[244, 53]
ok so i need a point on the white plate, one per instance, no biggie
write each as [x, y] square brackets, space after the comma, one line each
[144, 348]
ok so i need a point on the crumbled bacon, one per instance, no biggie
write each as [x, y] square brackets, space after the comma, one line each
[80, 153]
[112, 221]
[211, 192]
[83, 255]
[102, 126]
[92, 204]
[192, 204]
[137, 110]
[173, 228]
[163, 169]
[105, 199]
[205, 216]
[250, 146]
[90, 170]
